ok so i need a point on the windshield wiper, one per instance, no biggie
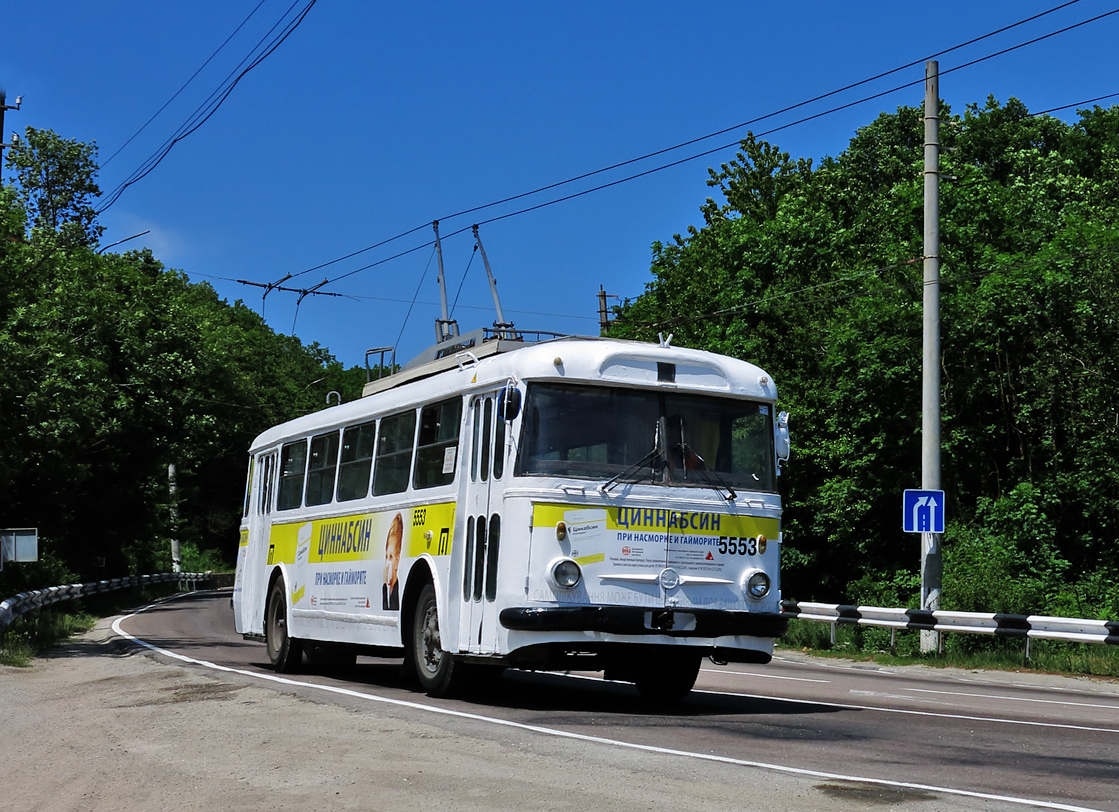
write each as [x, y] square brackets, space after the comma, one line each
[707, 475]
[647, 459]
[691, 461]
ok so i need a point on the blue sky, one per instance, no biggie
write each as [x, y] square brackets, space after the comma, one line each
[372, 119]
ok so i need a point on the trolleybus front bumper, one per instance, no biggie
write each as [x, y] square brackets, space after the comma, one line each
[634, 620]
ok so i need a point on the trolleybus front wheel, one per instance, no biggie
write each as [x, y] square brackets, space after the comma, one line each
[284, 652]
[668, 678]
[440, 674]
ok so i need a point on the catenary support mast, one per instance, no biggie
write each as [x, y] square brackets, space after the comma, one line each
[930, 387]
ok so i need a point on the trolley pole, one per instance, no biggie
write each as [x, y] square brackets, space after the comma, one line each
[931, 566]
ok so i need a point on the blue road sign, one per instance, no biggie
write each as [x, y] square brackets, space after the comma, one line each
[922, 511]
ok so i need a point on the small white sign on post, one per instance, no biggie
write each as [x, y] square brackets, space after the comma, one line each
[20, 544]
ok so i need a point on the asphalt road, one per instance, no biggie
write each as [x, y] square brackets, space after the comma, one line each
[855, 734]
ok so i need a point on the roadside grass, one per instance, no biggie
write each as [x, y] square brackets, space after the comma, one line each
[36, 631]
[982, 652]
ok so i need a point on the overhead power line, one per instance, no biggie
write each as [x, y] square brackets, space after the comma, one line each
[210, 106]
[702, 138]
[1078, 105]
[175, 95]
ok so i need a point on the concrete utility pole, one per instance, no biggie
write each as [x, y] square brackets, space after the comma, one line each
[15, 139]
[931, 566]
[173, 491]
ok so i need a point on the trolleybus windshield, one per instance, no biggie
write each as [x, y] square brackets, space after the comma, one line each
[643, 436]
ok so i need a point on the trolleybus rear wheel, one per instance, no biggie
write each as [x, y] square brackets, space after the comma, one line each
[439, 673]
[284, 652]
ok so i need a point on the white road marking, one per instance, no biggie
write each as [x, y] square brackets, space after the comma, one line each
[564, 734]
[846, 706]
[1016, 699]
[857, 667]
[725, 672]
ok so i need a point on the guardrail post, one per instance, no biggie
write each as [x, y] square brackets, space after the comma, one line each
[893, 642]
[833, 626]
[1026, 656]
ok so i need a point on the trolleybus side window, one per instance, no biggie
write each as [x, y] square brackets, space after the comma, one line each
[321, 468]
[293, 469]
[249, 488]
[394, 454]
[499, 447]
[492, 557]
[487, 456]
[474, 444]
[486, 406]
[478, 567]
[437, 445]
[357, 461]
[267, 470]
[468, 561]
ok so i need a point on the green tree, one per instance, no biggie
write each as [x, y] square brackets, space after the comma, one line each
[55, 186]
[111, 368]
[814, 273]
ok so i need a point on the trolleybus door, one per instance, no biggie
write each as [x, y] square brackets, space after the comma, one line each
[258, 556]
[482, 527]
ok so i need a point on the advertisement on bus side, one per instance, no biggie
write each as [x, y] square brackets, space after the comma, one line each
[356, 563]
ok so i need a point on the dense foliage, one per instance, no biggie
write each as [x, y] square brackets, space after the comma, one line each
[112, 367]
[814, 273]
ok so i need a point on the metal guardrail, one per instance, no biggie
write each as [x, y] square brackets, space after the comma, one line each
[1030, 627]
[37, 599]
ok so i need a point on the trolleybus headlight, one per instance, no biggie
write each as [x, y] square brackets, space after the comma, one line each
[755, 584]
[565, 573]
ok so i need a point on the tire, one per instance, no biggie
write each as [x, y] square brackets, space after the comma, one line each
[284, 651]
[669, 678]
[439, 673]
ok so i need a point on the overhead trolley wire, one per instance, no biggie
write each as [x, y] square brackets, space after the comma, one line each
[699, 139]
[707, 152]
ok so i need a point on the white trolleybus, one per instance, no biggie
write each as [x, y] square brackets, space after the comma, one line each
[566, 504]
[560, 504]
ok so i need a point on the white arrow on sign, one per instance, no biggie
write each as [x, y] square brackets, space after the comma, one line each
[920, 503]
[932, 512]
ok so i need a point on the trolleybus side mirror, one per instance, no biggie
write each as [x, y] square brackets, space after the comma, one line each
[781, 440]
[509, 403]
